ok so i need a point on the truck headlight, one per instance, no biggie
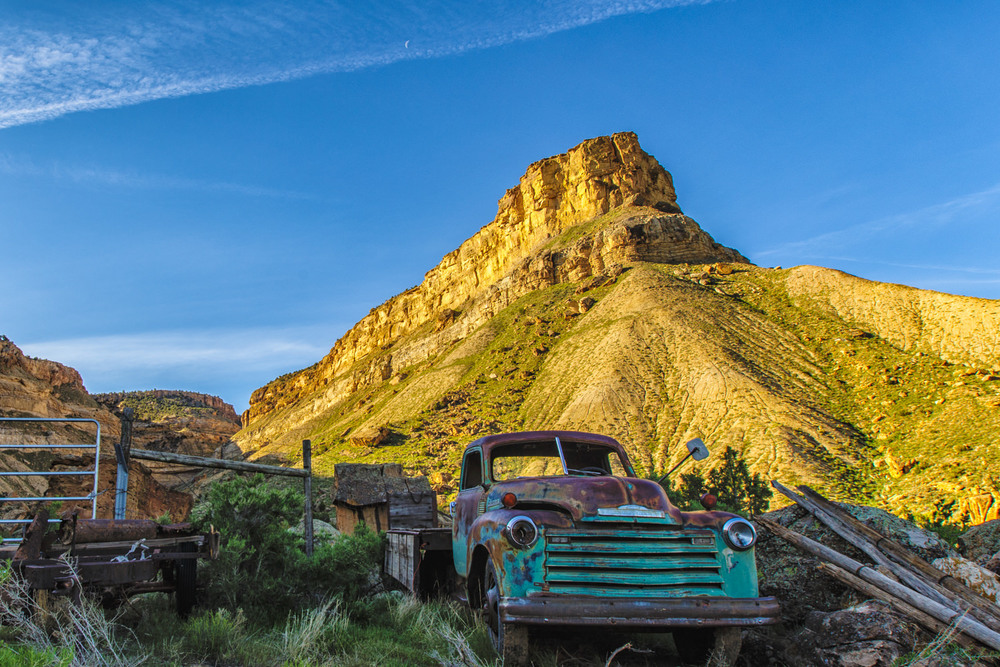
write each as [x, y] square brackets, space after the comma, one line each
[522, 531]
[739, 534]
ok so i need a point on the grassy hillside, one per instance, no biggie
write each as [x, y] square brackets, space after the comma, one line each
[659, 357]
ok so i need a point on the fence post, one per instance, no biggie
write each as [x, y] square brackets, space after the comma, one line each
[123, 452]
[307, 466]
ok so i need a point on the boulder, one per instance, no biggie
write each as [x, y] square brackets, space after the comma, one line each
[370, 436]
[973, 575]
[980, 543]
[322, 531]
[867, 635]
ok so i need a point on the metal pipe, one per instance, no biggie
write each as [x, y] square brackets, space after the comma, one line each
[36, 446]
[45, 474]
[43, 499]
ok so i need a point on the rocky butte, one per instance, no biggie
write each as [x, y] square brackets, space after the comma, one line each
[591, 302]
[168, 421]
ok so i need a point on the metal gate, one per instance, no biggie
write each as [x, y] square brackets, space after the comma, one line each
[24, 423]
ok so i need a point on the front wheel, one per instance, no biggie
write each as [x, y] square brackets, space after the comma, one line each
[714, 647]
[509, 641]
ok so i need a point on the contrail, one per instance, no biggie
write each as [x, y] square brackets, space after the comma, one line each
[52, 64]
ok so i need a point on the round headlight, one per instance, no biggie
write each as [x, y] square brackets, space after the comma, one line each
[522, 531]
[739, 534]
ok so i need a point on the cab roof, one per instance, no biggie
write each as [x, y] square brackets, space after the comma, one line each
[488, 442]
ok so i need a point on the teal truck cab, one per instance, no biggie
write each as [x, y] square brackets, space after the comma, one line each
[554, 528]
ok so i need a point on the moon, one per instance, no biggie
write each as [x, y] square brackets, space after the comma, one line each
[406, 44]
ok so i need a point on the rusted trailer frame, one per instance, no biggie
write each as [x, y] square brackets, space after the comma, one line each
[86, 555]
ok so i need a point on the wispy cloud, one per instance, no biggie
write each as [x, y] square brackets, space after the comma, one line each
[960, 210]
[975, 270]
[226, 362]
[263, 348]
[86, 58]
[21, 166]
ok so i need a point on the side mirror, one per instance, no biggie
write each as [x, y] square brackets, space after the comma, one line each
[698, 449]
[451, 508]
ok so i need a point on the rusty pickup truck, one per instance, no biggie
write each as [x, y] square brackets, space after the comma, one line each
[554, 528]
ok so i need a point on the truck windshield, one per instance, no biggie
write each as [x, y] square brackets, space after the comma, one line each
[541, 459]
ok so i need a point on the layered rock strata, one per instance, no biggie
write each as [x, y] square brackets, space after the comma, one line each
[509, 258]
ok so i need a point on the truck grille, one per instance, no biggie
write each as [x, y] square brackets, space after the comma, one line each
[637, 563]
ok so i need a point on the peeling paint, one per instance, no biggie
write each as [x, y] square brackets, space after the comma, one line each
[641, 551]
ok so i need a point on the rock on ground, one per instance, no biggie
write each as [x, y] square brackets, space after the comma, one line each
[866, 635]
[981, 543]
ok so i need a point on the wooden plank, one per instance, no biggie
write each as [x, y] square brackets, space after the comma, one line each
[851, 535]
[402, 558]
[948, 615]
[205, 462]
[983, 608]
[928, 622]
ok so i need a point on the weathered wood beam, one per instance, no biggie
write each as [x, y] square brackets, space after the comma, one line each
[944, 583]
[205, 462]
[970, 626]
[852, 536]
[31, 545]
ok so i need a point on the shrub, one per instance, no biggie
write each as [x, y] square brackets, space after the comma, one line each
[736, 489]
[60, 632]
[262, 567]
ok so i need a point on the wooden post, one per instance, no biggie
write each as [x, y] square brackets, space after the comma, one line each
[307, 480]
[241, 466]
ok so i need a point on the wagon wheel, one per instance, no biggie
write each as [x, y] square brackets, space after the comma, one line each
[715, 647]
[185, 581]
[509, 641]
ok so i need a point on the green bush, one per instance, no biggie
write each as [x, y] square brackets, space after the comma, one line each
[28, 656]
[262, 567]
[736, 489]
[943, 521]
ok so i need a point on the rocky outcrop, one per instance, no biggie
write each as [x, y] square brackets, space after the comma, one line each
[40, 388]
[46, 389]
[981, 543]
[179, 422]
[508, 258]
[200, 403]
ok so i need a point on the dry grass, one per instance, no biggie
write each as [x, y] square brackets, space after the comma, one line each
[72, 632]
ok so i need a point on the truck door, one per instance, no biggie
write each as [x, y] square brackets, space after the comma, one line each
[471, 491]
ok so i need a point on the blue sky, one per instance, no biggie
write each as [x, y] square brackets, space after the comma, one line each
[204, 196]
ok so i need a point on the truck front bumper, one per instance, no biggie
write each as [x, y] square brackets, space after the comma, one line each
[580, 610]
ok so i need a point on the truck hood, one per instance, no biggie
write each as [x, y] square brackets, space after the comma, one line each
[590, 498]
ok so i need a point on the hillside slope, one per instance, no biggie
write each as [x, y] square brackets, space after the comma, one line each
[37, 388]
[592, 303]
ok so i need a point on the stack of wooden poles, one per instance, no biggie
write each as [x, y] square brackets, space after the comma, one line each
[933, 599]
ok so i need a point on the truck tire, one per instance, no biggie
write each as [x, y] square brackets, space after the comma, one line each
[714, 647]
[509, 641]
